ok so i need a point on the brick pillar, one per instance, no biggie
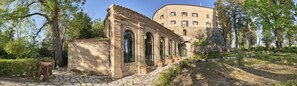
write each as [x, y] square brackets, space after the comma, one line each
[157, 56]
[166, 47]
[116, 50]
[140, 47]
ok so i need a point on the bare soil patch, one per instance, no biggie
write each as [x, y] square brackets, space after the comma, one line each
[254, 73]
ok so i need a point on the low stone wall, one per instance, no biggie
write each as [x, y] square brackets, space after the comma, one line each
[89, 56]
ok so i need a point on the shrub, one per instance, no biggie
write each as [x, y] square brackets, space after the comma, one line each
[287, 83]
[261, 48]
[240, 55]
[169, 74]
[184, 63]
[214, 54]
[262, 56]
[199, 57]
[18, 67]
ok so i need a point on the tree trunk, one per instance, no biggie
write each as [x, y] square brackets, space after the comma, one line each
[276, 39]
[235, 30]
[56, 38]
[225, 39]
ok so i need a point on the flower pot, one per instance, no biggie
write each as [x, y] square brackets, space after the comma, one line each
[170, 61]
[145, 70]
[160, 64]
[176, 59]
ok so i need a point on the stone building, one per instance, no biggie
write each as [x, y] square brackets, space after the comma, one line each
[188, 21]
[133, 41]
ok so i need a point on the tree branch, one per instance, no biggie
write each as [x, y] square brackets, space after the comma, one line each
[39, 31]
[29, 15]
[31, 3]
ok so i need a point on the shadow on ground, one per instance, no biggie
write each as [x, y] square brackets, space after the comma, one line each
[223, 74]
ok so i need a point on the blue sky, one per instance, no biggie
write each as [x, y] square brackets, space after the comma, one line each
[97, 8]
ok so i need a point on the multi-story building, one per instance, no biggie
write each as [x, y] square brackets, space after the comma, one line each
[188, 21]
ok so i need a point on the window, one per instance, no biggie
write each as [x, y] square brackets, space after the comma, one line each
[184, 14]
[172, 22]
[207, 16]
[184, 23]
[172, 14]
[185, 32]
[128, 47]
[194, 14]
[208, 24]
[149, 42]
[195, 22]
[162, 16]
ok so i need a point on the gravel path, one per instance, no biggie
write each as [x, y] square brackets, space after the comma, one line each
[70, 79]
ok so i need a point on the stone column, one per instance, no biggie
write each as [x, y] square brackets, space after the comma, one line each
[116, 50]
[140, 47]
[173, 47]
[177, 48]
[157, 56]
[166, 47]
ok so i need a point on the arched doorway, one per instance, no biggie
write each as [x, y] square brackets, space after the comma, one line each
[162, 49]
[183, 50]
[149, 42]
[128, 47]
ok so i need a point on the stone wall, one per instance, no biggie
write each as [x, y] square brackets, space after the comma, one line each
[120, 19]
[89, 56]
[189, 33]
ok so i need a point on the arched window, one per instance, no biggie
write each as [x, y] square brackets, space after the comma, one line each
[128, 47]
[149, 42]
[183, 50]
[185, 32]
[170, 47]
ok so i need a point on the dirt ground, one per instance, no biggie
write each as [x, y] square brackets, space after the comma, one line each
[253, 73]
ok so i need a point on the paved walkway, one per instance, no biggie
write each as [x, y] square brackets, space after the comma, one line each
[67, 78]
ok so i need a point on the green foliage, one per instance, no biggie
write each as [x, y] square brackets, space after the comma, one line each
[260, 48]
[267, 38]
[54, 12]
[19, 67]
[262, 56]
[273, 15]
[214, 54]
[183, 63]
[169, 74]
[17, 47]
[98, 28]
[199, 57]
[202, 42]
[81, 27]
[240, 56]
[287, 83]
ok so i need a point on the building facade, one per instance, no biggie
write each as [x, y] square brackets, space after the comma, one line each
[134, 42]
[188, 21]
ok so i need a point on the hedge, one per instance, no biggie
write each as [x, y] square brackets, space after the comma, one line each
[18, 67]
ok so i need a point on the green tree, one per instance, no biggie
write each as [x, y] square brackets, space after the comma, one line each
[16, 47]
[277, 14]
[80, 26]
[98, 28]
[234, 10]
[267, 37]
[50, 10]
[224, 21]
